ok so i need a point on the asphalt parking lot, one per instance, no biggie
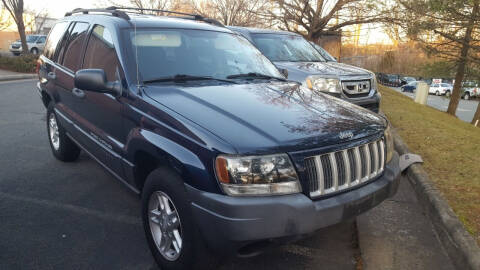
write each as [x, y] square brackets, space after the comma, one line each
[58, 215]
[465, 111]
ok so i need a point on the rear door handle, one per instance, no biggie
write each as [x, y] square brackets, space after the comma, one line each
[51, 76]
[78, 93]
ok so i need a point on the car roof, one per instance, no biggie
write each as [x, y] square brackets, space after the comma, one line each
[148, 21]
[253, 30]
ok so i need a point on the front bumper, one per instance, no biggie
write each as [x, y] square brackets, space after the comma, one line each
[15, 50]
[371, 102]
[230, 224]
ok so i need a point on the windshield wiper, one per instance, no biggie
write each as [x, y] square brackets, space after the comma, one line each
[255, 75]
[185, 78]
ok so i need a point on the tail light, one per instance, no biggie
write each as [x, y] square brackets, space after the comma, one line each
[37, 67]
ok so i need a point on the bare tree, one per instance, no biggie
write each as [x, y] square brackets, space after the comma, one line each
[448, 29]
[40, 20]
[15, 8]
[314, 19]
[146, 4]
[36, 21]
[233, 12]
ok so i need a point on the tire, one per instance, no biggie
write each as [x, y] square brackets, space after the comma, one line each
[63, 148]
[466, 96]
[34, 51]
[192, 252]
[447, 93]
[437, 93]
[16, 53]
[402, 89]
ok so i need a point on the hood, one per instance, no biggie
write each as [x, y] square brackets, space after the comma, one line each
[304, 69]
[268, 118]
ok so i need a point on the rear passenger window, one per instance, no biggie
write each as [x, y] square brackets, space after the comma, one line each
[73, 47]
[53, 38]
[41, 40]
[101, 52]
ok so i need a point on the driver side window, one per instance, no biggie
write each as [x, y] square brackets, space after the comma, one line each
[101, 52]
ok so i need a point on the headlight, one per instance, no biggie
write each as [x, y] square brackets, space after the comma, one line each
[389, 143]
[319, 83]
[374, 82]
[257, 175]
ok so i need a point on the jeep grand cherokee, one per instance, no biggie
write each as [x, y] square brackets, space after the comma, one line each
[226, 154]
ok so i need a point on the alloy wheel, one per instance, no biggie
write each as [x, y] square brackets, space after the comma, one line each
[165, 225]
[53, 132]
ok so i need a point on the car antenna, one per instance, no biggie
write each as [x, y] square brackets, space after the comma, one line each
[139, 87]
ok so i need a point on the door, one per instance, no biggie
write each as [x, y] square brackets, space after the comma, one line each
[53, 77]
[68, 60]
[101, 114]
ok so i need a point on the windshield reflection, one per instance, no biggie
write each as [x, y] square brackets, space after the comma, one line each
[164, 53]
[288, 48]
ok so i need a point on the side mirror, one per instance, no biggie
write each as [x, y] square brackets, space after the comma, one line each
[95, 80]
[284, 71]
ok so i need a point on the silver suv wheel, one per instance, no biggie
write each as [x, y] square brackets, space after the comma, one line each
[53, 132]
[165, 225]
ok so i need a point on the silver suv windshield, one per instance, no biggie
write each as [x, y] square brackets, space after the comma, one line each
[186, 54]
[31, 39]
[287, 48]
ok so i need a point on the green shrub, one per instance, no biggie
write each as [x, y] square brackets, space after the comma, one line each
[23, 63]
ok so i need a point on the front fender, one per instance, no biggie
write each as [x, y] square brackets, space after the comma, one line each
[196, 170]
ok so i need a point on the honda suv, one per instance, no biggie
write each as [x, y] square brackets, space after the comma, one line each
[305, 64]
[226, 155]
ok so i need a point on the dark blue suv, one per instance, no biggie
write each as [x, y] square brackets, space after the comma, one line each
[227, 155]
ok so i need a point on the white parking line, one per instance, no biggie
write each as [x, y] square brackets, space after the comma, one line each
[73, 208]
[17, 81]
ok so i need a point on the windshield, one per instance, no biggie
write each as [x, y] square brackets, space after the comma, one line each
[289, 48]
[31, 39]
[167, 53]
[328, 57]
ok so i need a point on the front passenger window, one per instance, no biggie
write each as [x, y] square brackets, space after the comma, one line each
[101, 52]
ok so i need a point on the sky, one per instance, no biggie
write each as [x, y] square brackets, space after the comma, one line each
[58, 8]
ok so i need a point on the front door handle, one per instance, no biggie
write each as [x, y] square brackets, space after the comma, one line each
[51, 76]
[78, 93]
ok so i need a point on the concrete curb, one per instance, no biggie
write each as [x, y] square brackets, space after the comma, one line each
[17, 77]
[459, 244]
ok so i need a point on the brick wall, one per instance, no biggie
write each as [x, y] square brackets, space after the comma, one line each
[6, 38]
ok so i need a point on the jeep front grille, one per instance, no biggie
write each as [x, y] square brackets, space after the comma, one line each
[332, 172]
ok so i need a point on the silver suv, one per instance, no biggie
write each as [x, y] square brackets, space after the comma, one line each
[305, 64]
[35, 44]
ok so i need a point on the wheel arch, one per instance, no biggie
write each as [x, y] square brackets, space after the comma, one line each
[46, 98]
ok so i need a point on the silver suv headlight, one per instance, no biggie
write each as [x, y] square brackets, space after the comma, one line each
[257, 175]
[374, 82]
[389, 143]
[323, 84]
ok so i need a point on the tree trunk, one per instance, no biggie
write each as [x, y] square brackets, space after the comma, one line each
[462, 62]
[23, 38]
[455, 97]
[476, 117]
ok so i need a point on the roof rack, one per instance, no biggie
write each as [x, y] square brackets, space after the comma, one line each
[121, 12]
[114, 12]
